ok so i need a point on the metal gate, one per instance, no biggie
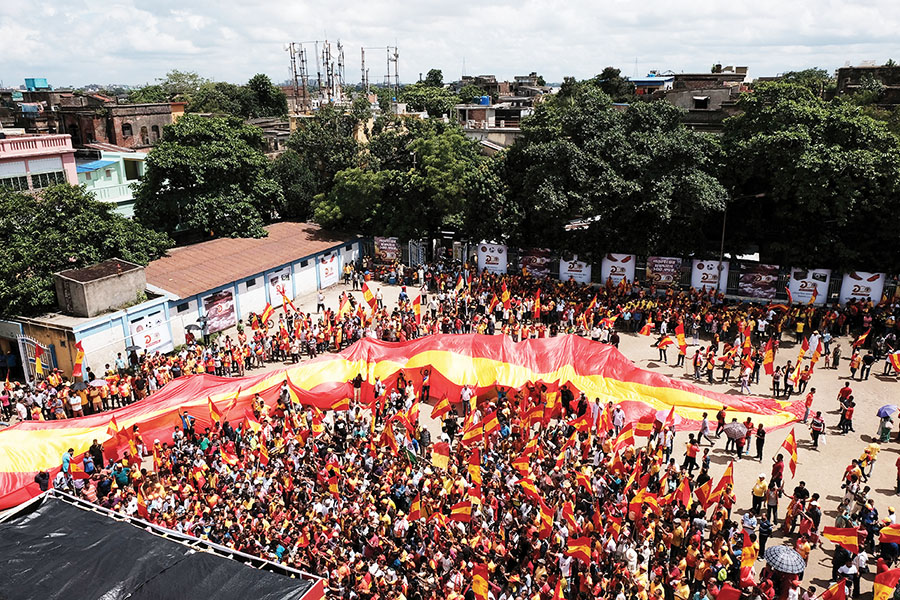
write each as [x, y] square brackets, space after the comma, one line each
[26, 353]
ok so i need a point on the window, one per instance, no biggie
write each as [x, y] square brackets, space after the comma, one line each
[109, 172]
[126, 130]
[304, 264]
[154, 133]
[16, 184]
[251, 282]
[184, 307]
[87, 176]
[348, 247]
[43, 180]
[145, 137]
[701, 102]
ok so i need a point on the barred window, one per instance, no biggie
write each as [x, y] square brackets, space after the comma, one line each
[17, 184]
[42, 180]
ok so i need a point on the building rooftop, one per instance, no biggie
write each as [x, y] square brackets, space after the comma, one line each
[113, 266]
[190, 270]
[93, 165]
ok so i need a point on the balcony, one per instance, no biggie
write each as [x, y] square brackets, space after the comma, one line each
[30, 146]
[113, 193]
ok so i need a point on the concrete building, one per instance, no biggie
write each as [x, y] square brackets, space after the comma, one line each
[707, 98]
[110, 172]
[495, 126]
[214, 284]
[95, 118]
[32, 162]
[653, 82]
[851, 80]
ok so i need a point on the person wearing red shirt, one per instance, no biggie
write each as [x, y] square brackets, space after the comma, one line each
[778, 469]
[809, 401]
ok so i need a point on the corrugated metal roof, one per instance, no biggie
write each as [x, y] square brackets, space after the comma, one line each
[94, 165]
[191, 270]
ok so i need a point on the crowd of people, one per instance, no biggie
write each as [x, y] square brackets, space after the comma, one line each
[547, 491]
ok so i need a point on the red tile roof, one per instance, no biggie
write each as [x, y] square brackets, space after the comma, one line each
[191, 270]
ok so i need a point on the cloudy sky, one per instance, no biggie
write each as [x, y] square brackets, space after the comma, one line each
[72, 42]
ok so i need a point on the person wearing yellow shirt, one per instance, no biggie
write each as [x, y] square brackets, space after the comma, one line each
[759, 493]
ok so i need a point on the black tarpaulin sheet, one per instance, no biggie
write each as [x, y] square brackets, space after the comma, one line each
[62, 551]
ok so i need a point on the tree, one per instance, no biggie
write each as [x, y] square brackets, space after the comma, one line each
[829, 174]
[434, 78]
[208, 175]
[611, 83]
[177, 85]
[469, 93]
[298, 185]
[326, 144]
[63, 227]
[647, 182]
[437, 101]
[817, 80]
[219, 97]
[266, 99]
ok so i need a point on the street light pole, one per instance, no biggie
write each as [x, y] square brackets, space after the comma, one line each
[722, 252]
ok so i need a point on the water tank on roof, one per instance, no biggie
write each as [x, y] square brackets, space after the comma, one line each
[485, 101]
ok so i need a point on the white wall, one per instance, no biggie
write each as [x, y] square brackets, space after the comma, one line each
[349, 255]
[100, 348]
[252, 297]
[305, 277]
[180, 320]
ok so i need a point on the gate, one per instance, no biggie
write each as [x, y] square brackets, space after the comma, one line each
[27, 347]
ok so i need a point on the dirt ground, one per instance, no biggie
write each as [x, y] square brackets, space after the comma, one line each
[821, 469]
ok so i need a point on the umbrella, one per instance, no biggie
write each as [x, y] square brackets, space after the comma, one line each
[662, 415]
[785, 559]
[79, 386]
[735, 430]
[887, 410]
[133, 349]
[98, 383]
[191, 327]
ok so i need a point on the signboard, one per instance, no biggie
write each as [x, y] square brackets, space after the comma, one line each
[535, 260]
[705, 274]
[617, 267]
[219, 311]
[758, 281]
[663, 271]
[152, 333]
[862, 286]
[279, 281]
[329, 273]
[387, 250]
[804, 281]
[575, 269]
[492, 258]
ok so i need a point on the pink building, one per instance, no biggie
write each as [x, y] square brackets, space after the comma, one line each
[30, 163]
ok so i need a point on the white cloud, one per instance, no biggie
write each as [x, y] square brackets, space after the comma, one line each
[126, 41]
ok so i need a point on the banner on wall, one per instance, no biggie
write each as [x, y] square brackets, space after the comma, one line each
[535, 260]
[758, 281]
[575, 269]
[279, 281]
[152, 333]
[492, 258]
[617, 267]
[804, 281]
[329, 273]
[219, 311]
[663, 271]
[705, 274]
[861, 286]
[387, 249]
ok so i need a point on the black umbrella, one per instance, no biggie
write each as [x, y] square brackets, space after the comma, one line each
[191, 327]
[79, 386]
[133, 349]
[785, 559]
[735, 430]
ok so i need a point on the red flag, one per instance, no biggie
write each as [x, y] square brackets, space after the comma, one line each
[789, 296]
[727, 592]
[505, 297]
[79, 359]
[836, 592]
[214, 415]
[727, 478]
[769, 357]
[415, 510]
[461, 512]
[859, 341]
[267, 313]
[580, 549]
[846, 537]
[441, 408]
[679, 335]
[790, 444]
[369, 297]
[885, 583]
[480, 579]
[647, 329]
[417, 308]
[536, 313]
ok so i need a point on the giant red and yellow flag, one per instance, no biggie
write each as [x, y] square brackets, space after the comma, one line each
[846, 537]
[480, 579]
[598, 370]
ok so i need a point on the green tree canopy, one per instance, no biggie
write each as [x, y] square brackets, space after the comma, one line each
[434, 78]
[647, 183]
[208, 175]
[613, 84]
[437, 101]
[176, 85]
[61, 228]
[829, 174]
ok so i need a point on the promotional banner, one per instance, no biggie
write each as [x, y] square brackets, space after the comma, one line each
[663, 271]
[535, 260]
[219, 311]
[492, 258]
[758, 281]
[329, 273]
[152, 333]
[387, 249]
[575, 269]
[617, 267]
[862, 286]
[705, 274]
[279, 281]
[804, 281]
